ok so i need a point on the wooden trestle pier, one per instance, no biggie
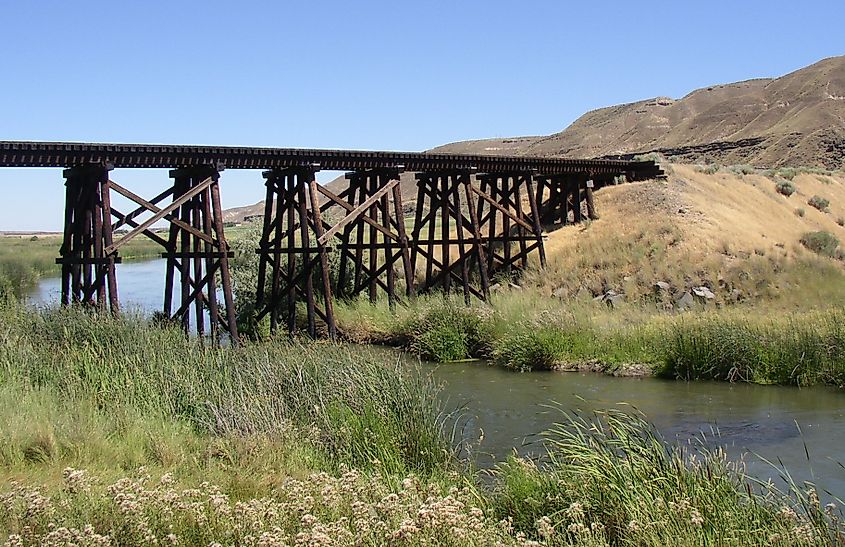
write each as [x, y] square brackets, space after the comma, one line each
[473, 218]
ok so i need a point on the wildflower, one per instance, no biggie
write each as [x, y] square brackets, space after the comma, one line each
[695, 518]
[75, 480]
[544, 527]
[575, 511]
[576, 528]
[308, 520]
[407, 529]
[634, 526]
[787, 513]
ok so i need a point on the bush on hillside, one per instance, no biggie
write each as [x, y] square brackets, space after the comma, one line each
[800, 212]
[785, 187]
[741, 170]
[710, 169]
[819, 203]
[823, 243]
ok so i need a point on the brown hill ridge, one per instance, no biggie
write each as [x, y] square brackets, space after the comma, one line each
[797, 119]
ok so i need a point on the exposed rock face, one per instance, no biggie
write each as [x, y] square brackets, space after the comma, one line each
[797, 119]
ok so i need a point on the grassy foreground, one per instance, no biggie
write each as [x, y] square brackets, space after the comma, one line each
[115, 431]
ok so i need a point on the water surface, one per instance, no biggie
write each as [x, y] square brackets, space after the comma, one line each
[511, 408]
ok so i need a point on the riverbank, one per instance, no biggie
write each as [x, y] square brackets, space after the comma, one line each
[118, 429]
[24, 259]
[522, 330]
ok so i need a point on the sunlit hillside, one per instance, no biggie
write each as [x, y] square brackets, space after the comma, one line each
[733, 233]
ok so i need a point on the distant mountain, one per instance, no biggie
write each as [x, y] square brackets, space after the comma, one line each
[238, 214]
[797, 119]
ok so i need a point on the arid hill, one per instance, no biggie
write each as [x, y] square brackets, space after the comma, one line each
[794, 120]
[797, 119]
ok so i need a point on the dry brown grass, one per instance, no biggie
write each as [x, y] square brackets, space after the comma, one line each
[721, 230]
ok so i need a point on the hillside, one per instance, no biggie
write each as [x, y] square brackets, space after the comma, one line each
[732, 233]
[797, 119]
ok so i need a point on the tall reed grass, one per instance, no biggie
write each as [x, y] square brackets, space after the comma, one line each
[525, 333]
[611, 479]
[355, 408]
[287, 442]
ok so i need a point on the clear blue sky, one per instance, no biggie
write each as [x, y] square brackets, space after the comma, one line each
[373, 75]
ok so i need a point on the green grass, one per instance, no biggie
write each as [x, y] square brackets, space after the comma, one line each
[117, 428]
[525, 331]
[126, 365]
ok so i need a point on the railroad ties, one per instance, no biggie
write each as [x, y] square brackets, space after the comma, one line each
[475, 221]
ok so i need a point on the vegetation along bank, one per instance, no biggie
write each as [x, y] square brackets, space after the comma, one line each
[124, 432]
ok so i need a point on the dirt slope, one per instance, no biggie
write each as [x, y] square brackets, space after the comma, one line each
[797, 119]
[732, 233]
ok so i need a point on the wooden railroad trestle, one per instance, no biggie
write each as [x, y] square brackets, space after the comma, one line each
[317, 245]
[475, 218]
[466, 229]
[195, 247]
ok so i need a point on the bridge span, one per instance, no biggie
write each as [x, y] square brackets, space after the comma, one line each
[470, 219]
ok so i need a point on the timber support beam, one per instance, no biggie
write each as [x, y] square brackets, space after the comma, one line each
[196, 250]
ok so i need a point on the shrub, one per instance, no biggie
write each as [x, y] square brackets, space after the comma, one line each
[819, 203]
[785, 187]
[841, 221]
[788, 173]
[710, 169]
[530, 349]
[741, 170]
[442, 343]
[823, 243]
[792, 172]
[800, 211]
[449, 332]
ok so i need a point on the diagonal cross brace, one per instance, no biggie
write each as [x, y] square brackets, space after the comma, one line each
[152, 207]
[334, 197]
[184, 198]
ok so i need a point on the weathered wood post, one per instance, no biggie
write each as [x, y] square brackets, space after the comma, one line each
[86, 257]
[591, 205]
